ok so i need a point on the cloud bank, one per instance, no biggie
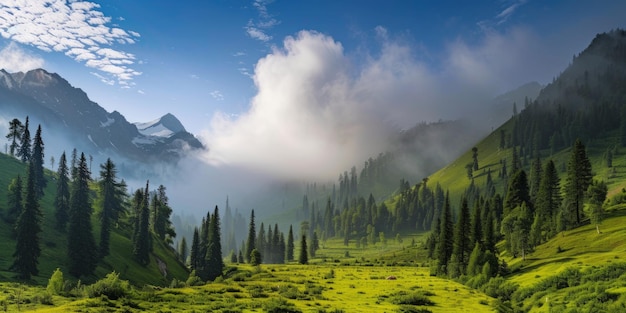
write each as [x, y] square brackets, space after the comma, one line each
[76, 28]
[318, 112]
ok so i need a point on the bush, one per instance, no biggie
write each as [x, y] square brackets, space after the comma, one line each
[194, 280]
[56, 283]
[111, 286]
[414, 298]
[280, 305]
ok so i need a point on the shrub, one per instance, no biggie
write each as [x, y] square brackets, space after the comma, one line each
[280, 305]
[56, 283]
[414, 298]
[111, 286]
[193, 279]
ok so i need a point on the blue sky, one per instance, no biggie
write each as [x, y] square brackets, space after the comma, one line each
[240, 72]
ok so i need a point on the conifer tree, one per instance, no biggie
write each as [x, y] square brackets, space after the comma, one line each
[462, 245]
[81, 245]
[37, 160]
[290, 244]
[62, 198]
[577, 181]
[195, 249]
[312, 246]
[182, 250]
[477, 224]
[16, 128]
[27, 229]
[110, 202]
[547, 204]
[261, 242]
[25, 144]
[142, 244]
[446, 240]
[475, 159]
[282, 247]
[535, 179]
[518, 192]
[251, 243]
[14, 200]
[214, 260]
[303, 258]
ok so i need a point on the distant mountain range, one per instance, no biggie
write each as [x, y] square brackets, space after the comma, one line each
[65, 110]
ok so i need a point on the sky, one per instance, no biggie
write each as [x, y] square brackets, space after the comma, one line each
[313, 82]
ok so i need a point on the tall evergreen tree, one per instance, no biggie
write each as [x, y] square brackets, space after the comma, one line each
[475, 159]
[81, 246]
[462, 243]
[261, 242]
[535, 178]
[142, 244]
[16, 128]
[446, 240]
[577, 181]
[214, 260]
[517, 193]
[547, 204]
[304, 257]
[183, 250]
[14, 200]
[62, 198]
[477, 224]
[290, 244]
[27, 229]
[110, 203]
[251, 243]
[195, 249]
[37, 160]
[25, 144]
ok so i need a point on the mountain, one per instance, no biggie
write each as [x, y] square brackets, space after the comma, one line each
[66, 110]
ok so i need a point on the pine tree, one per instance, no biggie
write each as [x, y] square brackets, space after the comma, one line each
[27, 229]
[142, 244]
[62, 198]
[462, 245]
[261, 242]
[110, 202]
[535, 179]
[577, 181]
[303, 258]
[517, 193]
[214, 261]
[195, 249]
[251, 243]
[475, 159]
[477, 224]
[446, 240]
[182, 250]
[81, 245]
[314, 245]
[25, 144]
[37, 160]
[16, 128]
[547, 204]
[290, 244]
[14, 200]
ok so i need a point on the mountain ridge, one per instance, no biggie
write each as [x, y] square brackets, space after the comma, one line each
[53, 101]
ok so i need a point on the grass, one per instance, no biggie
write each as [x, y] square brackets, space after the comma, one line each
[352, 289]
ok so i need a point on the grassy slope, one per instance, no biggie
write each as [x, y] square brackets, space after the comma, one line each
[54, 243]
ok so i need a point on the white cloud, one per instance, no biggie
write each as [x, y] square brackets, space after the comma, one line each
[217, 95]
[76, 28]
[15, 59]
[257, 29]
[317, 113]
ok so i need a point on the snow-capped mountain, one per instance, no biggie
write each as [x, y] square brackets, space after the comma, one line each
[62, 109]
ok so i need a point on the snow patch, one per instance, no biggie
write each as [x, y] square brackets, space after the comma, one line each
[108, 123]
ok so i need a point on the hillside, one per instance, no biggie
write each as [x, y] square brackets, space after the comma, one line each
[54, 243]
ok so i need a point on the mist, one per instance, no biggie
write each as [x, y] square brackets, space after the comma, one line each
[316, 112]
